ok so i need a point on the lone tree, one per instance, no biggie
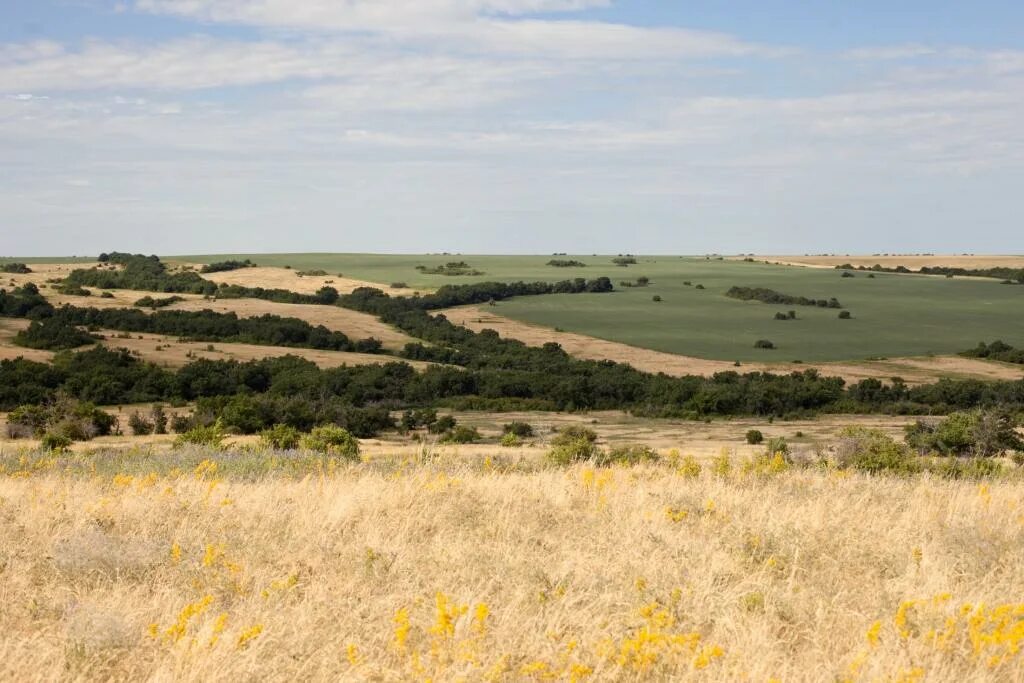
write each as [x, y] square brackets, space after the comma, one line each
[764, 344]
[656, 298]
[844, 315]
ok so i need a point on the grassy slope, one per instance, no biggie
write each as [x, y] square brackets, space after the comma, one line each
[894, 315]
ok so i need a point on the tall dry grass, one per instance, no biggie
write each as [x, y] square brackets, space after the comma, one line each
[479, 571]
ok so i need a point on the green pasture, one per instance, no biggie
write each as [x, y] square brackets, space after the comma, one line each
[893, 315]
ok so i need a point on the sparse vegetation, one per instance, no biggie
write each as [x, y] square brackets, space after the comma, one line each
[770, 296]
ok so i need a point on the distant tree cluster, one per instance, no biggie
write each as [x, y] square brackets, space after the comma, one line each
[770, 296]
[136, 271]
[159, 302]
[566, 263]
[1007, 275]
[624, 260]
[15, 268]
[224, 266]
[997, 350]
[452, 268]
[53, 335]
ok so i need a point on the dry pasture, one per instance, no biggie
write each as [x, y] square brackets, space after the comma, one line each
[446, 569]
[912, 261]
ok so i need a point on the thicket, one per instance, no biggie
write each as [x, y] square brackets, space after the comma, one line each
[997, 350]
[16, 268]
[223, 266]
[138, 272]
[566, 263]
[160, 302]
[770, 296]
[53, 335]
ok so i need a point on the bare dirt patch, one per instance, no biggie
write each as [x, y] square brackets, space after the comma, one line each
[912, 370]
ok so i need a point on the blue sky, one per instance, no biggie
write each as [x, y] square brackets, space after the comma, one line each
[177, 126]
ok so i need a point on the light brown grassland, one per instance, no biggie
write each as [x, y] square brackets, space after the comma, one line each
[912, 261]
[502, 569]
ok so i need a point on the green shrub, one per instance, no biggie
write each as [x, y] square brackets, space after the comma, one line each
[281, 437]
[977, 433]
[754, 437]
[462, 434]
[574, 443]
[510, 440]
[53, 441]
[520, 429]
[764, 344]
[968, 468]
[139, 425]
[777, 445]
[333, 440]
[873, 451]
[844, 315]
[626, 455]
[210, 436]
[443, 424]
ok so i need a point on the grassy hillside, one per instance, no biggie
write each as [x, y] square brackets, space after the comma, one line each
[893, 315]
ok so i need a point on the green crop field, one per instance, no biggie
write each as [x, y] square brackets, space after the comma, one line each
[893, 315]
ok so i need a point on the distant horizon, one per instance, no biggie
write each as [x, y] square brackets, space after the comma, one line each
[506, 126]
[42, 258]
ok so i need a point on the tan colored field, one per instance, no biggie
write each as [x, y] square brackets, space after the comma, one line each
[912, 370]
[170, 352]
[914, 262]
[283, 278]
[699, 439]
[354, 324]
[173, 567]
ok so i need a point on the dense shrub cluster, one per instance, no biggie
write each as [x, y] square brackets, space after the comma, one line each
[452, 268]
[139, 272]
[16, 268]
[997, 350]
[770, 296]
[566, 263]
[54, 335]
[1011, 275]
[158, 302]
[223, 266]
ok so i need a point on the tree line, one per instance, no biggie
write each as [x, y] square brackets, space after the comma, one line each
[770, 296]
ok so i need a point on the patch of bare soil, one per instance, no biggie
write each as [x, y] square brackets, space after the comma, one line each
[912, 370]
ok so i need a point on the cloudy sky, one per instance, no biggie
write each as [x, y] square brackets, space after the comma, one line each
[490, 126]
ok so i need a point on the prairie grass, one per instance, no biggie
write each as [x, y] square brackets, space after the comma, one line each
[198, 565]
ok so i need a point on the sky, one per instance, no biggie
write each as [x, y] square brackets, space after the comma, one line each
[511, 126]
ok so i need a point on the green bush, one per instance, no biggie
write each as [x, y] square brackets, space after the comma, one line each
[210, 436]
[873, 451]
[462, 434]
[574, 443]
[281, 437]
[333, 440]
[754, 437]
[977, 433]
[53, 441]
[844, 315]
[139, 425]
[777, 445]
[443, 424]
[510, 440]
[968, 468]
[633, 454]
[764, 344]
[520, 429]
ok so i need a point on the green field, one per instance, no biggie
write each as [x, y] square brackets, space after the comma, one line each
[893, 315]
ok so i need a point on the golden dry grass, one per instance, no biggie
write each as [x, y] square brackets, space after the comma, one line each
[913, 370]
[914, 262]
[479, 569]
[284, 278]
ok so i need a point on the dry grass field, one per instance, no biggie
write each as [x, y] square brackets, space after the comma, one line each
[284, 278]
[920, 370]
[912, 261]
[252, 566]
[703, 440]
